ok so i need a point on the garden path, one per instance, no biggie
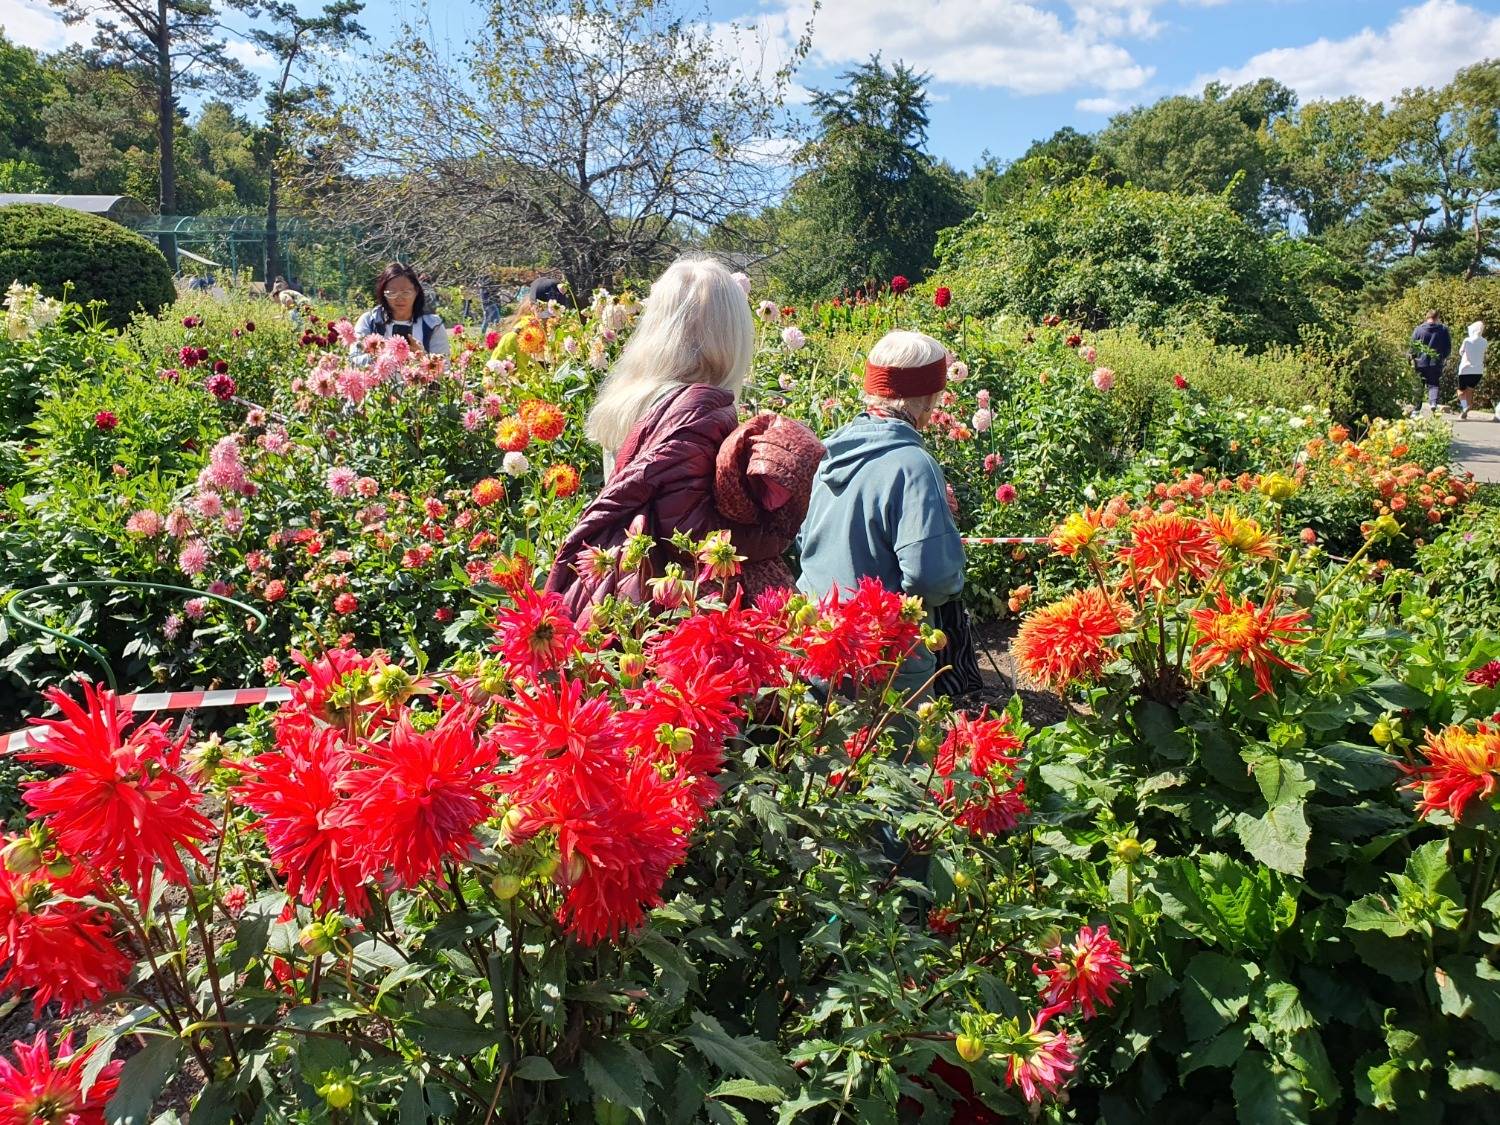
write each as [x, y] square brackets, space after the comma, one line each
[1476, 446]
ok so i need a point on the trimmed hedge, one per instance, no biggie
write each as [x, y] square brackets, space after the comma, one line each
[92, 258]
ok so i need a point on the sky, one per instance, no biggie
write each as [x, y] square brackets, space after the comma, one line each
[1006, 72]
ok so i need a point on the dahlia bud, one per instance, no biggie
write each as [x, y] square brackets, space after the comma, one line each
[60, 868]
[22, 856]
[506, 887]
[1278, 487]
[316, 940]
[390, 684]
[936, 640]
[512, 822]
[546, 867]
[805, 616]
[339, 1094]
[1129, 850]
[926, 711]
[633, 665]
[1381, 733]
[970, 1048]
[961, 879]
[577, 865]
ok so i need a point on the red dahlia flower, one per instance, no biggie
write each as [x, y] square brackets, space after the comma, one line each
[1486, 675]
[1242, 633]
[1044, 1065]
[51, 943]
[545, 421]
[121, 804]
[1065, 641]
[732, 641]
[488, 491]
[345, 603]
[942, 296]
[1461, 768]
[537, 635]
[1083, 973]
[899, 285]
[106, 420]
[421, 795]
[300, 791]
[561, 480]
[704, 706]
[37, 1089]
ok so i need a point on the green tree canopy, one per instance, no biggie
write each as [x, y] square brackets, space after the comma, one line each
[1128, 256]
[870, 201]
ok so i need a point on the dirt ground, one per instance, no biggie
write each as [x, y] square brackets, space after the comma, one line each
[1001, 680]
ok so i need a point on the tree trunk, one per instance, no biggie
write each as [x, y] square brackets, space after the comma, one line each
[166, 124]
[166, 118]
[273, 204]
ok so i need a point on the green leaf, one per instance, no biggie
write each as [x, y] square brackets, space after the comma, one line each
[614, 1075]
[1398, 959]
[1470, 988]
[1307, 1053]
[1278, 838]
[725, 1114]
[1345, 768]
[1223, 1050]
[1396, 695]
[745, 1088]
[1477, 1076]
[748, 1057]
[412, 1109]
[250, 935]
[1265, 1093]
[1278, 1006]
[141, 1079]
[446, 1030]
[1161, 729]
[534, 1068]
[1215, 990]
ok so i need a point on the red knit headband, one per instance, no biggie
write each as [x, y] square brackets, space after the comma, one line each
[906, 382]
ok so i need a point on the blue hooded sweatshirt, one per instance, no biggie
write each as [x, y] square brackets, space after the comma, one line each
[879, 509]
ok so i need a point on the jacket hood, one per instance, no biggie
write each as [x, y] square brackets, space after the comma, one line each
[853, 446]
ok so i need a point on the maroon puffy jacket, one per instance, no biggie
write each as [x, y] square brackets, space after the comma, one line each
[664, 476]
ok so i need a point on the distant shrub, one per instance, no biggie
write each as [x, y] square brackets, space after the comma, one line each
[1178, 265]
[89, 258]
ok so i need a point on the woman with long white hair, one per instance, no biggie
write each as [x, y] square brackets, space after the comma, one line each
[661, 418]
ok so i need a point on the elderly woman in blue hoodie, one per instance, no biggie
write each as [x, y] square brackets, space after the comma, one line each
[879, 503]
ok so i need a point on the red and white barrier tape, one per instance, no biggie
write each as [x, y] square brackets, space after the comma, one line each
[994, 540]
[177, 701]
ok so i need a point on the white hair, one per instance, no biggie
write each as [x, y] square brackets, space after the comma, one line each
[906, 349]
[697, 328]
[1476, 330]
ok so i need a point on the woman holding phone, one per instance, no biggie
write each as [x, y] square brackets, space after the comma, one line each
[400, 310]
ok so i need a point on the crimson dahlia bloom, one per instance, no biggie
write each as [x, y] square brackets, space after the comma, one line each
[59, 948]
[899, 285]
[1084, 973]
[942, 296]
[121, 804]
[1486, 675]
[421, 795]
[537, 635]
[744, 643]
[299, 790]
[704, 705]
[38, 1089]
[1044, 1067]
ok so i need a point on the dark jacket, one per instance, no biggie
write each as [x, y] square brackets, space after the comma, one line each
[1435, 337]
[664, 479]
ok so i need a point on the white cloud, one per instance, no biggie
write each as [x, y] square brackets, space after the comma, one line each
[1024, 46]
[35, 23]
[1105, 105]
[1424, 46]
[249, 55]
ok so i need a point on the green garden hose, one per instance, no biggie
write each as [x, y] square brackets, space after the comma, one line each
[20, 618]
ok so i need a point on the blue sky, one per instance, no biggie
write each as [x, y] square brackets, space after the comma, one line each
[1008, 71]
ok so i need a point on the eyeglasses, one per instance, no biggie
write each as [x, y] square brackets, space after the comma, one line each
[397, 294]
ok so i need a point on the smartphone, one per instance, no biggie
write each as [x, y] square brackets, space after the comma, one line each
[401, 328]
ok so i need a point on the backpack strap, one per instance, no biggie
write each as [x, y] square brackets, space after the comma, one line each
[428, 328]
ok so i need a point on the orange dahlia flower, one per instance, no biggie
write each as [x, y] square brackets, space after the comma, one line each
[1241, 633]
[1066, 641]
[1077, 531]
[1164, 548]
[1234, 532]
[512, 435]
[1461, 767]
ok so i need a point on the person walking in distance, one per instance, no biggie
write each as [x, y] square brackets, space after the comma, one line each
[1430, 347]
[1470, 365]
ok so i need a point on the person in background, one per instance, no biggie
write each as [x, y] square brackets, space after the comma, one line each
[1431, 346]
[661, 418]
[430, 295]
[880, 505]
[1470, 365]
[490, 306]
[400, 310]
[278, 285]
[544, 290]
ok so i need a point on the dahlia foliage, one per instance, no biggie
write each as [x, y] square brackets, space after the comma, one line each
[496, 861]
